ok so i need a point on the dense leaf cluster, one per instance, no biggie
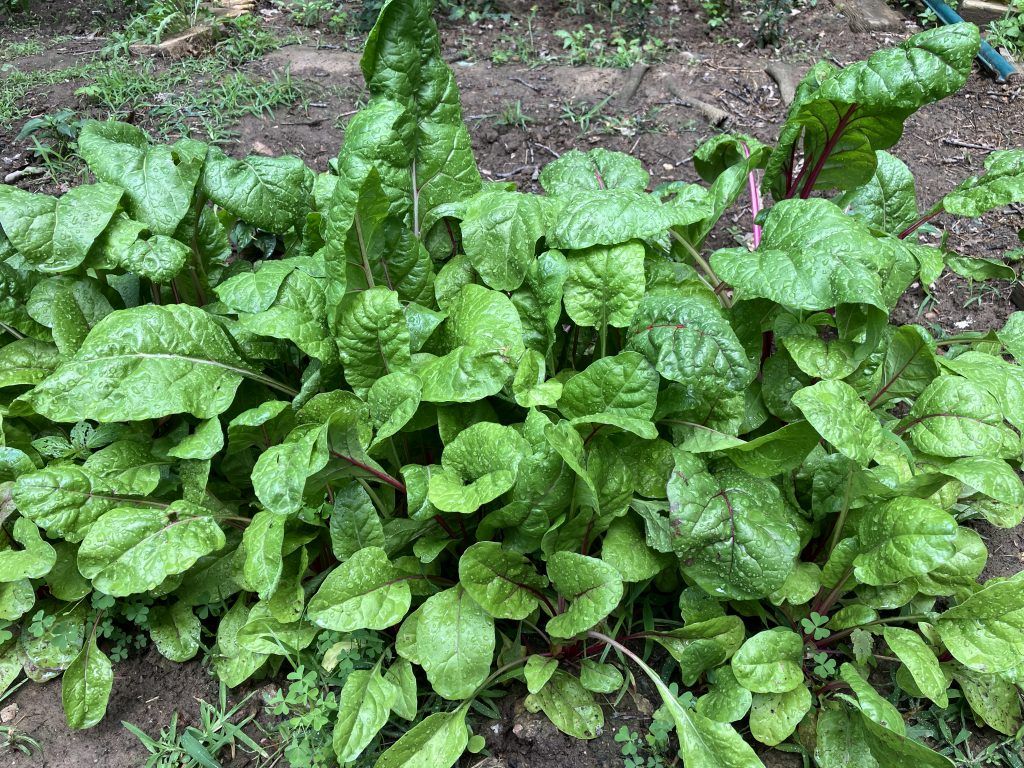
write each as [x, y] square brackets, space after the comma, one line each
[522, 436]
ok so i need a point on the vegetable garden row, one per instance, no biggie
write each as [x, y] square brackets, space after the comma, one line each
[546, 439]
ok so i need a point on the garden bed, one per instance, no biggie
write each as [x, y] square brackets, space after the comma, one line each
[522, 113]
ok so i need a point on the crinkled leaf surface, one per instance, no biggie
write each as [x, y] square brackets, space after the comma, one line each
[477, 467]
[984, 632]
[903, 538]
[271, 193]
[597, 169]
[620, 391]
[128, 551]
[604, 284]
[145, 363]
[55, 233]
[838, 414]
[504, 583]
[157, 180]
[570, 706]
[731, 530]
[1001, 184]
[813, 256]
[592, 587]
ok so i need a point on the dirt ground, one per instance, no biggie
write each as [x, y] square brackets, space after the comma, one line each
[942, 144]
[148, 690]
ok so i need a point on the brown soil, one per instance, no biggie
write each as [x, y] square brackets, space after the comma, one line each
[942, 144]
[66, 17]
[524, 740]
[148, 690]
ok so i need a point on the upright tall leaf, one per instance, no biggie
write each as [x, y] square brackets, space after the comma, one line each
[85, 689]
[844, 115]
[402, 63]
[364, 706]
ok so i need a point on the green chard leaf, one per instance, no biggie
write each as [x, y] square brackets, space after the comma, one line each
[364, 707]
[732, 531]
[984, 632]
[158, 181]
[145, 363]
[128, 551]
[85, 688]
[592, 587]
[54, 234]
[271, 193]
[1001, 184]
[501, 581]
[364, 592]
[843, 116]
[570, 706]
[455, 643]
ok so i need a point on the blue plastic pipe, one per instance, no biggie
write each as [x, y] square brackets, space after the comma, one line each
[989, 57]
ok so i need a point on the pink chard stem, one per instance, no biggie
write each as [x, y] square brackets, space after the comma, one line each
[754, 183]
[844, 123]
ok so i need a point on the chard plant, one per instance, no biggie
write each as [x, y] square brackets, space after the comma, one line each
[519, 437]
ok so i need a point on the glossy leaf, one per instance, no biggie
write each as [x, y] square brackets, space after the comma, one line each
[85, 687]
[592, 587]
[145, 363]
[501, 581]
[455, 643]
[364, 592]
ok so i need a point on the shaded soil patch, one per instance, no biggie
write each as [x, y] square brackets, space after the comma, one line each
[148, 690]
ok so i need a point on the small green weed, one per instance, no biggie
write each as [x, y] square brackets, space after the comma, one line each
[513, 115]
[246, 39]
[771, 16]
[597, 48]
[329, 14]
[305, 709]
[518, 47]
[954, 729]
[1008, 32]
[12, 738]
[14, 6]
[193, 95]
[634, 14]
[221, 729]
[54, 142]
[716, 13]
[642, 751]
[582, 114]
[633, 124]
[160, 20]
[21, 49]
[471, 10]
[17, 84]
